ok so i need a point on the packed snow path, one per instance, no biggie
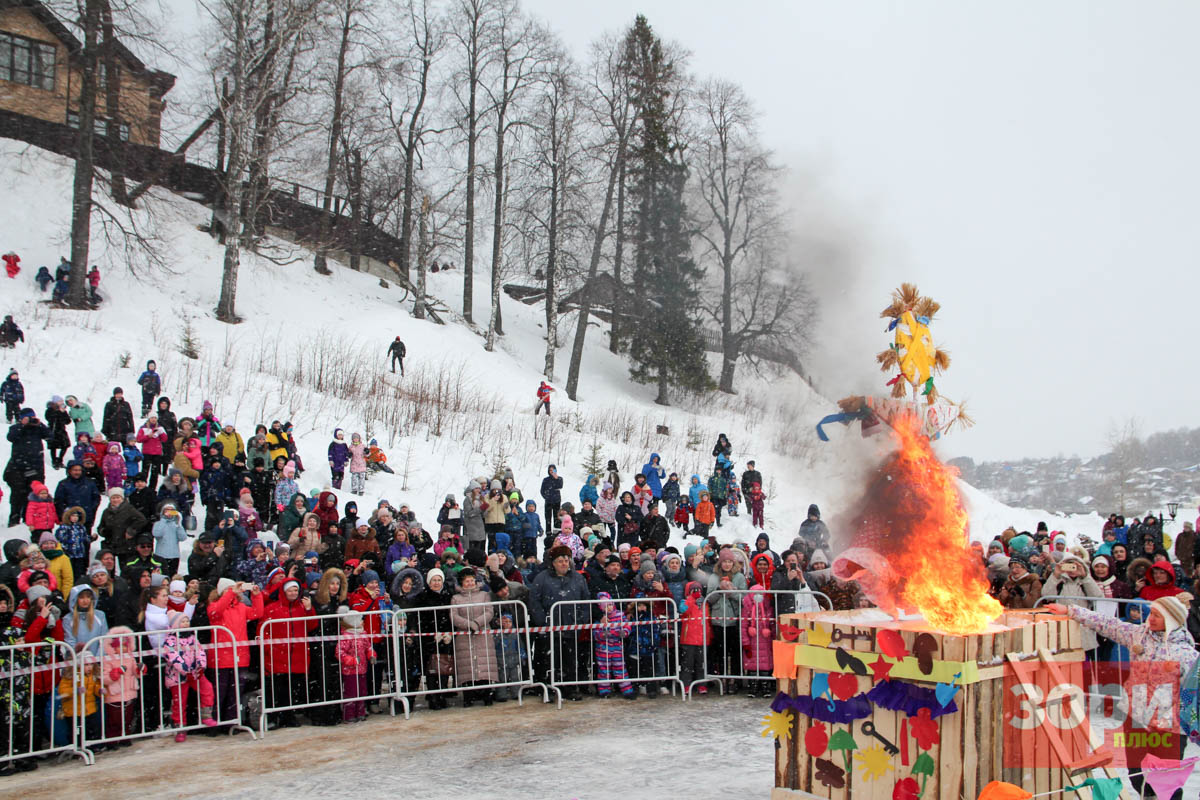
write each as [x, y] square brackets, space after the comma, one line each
[652, 749]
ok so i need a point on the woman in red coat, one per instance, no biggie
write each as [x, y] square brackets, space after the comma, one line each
[225, 608]
[365, 599]
[287, 662]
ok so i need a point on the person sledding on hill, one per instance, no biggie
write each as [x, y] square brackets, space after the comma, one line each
[543, 398]
[397, 351]
[377, 459]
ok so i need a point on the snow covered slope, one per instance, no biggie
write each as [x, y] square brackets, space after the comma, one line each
[312, 349]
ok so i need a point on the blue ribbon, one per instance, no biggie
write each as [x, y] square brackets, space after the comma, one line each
[845, 418]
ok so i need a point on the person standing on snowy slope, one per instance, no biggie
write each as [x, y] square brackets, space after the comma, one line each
[655, 475]
[12, 264]
[543, 398]
[397, 351]
[358, 464]
[552, 486]
[207, 425]
[118, 417]
[151, 385]
[12, 392]
[10, 333]
[26, 462]
[339, 457]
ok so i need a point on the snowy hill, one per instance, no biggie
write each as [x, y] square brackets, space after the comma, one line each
[312, 350]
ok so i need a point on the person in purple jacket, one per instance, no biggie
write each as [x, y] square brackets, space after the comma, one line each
[339, 457]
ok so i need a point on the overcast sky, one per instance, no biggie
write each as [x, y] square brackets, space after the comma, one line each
[1031, 165]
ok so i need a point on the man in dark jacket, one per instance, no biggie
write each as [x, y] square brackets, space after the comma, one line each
[586, 517]
[655, 527]
[120, 524]
[207, 563]
[27, 461]
[552, 486]
[216, 490]
[143, 557]
[10, 332]
[77, 490]
[118, 417]
[560, 583]
[397, 351]
[750, 477]
[613, 580]
[813, 530]
[167, 421]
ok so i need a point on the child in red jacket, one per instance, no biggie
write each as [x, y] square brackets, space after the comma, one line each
[694, 636]
[40, 514]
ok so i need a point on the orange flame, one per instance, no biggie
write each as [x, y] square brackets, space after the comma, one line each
[921, 529]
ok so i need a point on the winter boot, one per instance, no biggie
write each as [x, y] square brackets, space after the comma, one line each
[206, 717]
[181, 737]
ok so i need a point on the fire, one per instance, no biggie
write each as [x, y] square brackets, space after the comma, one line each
[913, 516]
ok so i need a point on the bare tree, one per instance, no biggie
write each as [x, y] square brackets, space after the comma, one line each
[520, 55]
[81, 200]
[738, 215]
[350, 20]
[471, 27]
[260, 40]
[1126, 455]
[404, 85]
[610, 116]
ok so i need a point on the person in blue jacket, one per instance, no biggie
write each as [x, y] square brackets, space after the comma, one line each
[43, 278]
[655, 475]
[695, 489]
[531, 531]
[151, 385]
[589, 491]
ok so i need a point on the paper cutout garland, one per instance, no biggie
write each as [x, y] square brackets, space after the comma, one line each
[1166, 775]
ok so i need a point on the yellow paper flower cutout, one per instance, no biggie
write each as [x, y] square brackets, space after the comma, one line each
[875, 762]
[777, 723]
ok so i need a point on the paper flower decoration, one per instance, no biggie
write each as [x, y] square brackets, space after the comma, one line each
[875, 762]
[778, 723]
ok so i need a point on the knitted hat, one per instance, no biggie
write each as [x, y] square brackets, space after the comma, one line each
[176, 619]
[34, 592]
[476, 557]
[27, 413]
[96, 568]
[177, 586]
[623, 547]
[612, 560]
[689, 551]
[158, 579]
[224, 585]
[497, 584]
[1174, 611]
[287, 584]
[434, 573]
[116, 491]
[350, 619]
[1018, 559]
[369, 575]
[818, 555]
[725, 553]
[46, 538]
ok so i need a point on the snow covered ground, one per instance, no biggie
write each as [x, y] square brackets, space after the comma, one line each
[652, 749]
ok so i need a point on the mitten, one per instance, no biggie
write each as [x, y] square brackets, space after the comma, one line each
[114, 674]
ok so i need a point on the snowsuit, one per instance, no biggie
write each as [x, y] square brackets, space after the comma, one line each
[358, 465]
[354, 653]
[339, 457]
[12, 392]
[114, 467]
[670, 497]
[610, 651]
[655, 475]
[757, 499]
[186, 661]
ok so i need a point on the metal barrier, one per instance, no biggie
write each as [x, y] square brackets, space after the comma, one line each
[630, 641]
[36, 680]
[309, 663]
[483, 650]
[740, 632]
[147, 680]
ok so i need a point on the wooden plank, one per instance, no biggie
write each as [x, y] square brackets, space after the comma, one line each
[933, 787]
[804, 767]
[970, 741]
[986, 726]
[887, 724]
[950, 763]
[1041, 740]
[785, 749]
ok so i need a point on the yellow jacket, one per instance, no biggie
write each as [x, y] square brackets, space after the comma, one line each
[90, 691]
[60, 568]
[231, 444]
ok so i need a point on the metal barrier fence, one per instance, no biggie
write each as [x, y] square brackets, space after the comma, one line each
[622, 641]
[147, 678]
[38, 682]
[482, 649]
[741, 627]
[313, 663]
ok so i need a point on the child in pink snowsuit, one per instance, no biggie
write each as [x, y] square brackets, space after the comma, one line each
[113, 467]
[757, 499]
[355, 653]
[186, 661]
[610, 649]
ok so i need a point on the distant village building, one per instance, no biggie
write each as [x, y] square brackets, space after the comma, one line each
[41, 75]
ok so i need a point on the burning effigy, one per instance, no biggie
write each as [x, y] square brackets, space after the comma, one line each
[910, 699]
